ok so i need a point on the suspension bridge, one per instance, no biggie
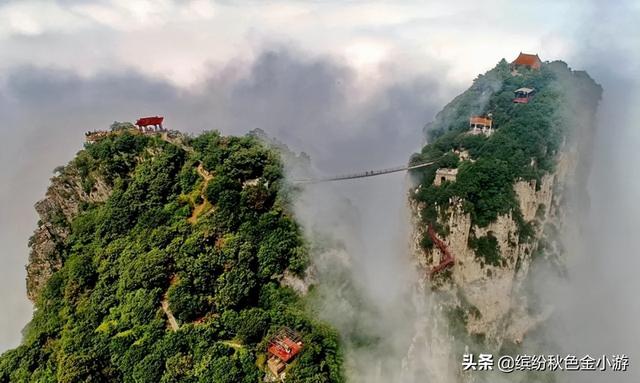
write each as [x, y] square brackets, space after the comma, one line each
[447, 259]
[369, 173]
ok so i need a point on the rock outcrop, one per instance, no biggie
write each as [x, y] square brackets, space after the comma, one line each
[61, 204]
[489, 292]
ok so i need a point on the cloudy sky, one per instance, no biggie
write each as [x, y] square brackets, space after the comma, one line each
[351, 83]
[184, 41]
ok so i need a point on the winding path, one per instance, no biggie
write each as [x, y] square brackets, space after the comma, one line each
[197, 211]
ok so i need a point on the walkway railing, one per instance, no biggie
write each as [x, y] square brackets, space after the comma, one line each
[369, 173]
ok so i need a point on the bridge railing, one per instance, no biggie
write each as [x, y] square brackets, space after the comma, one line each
[368, 173]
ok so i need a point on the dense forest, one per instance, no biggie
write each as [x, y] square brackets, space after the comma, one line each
[524, 145]
[197, 227]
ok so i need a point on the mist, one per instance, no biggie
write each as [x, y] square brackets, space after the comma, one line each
[596, 308]
[316, 104]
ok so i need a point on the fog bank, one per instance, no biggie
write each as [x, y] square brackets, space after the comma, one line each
[312, 103]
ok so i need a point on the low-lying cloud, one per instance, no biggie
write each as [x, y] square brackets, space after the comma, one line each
[314, 104]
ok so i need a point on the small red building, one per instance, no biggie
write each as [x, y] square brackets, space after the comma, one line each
[527, 61]
[153, 124]
[283, 347]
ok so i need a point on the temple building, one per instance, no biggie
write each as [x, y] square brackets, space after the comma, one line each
[527, 61]
[481, 125]
[282, 349]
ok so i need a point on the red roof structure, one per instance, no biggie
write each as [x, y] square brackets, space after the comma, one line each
[155, 121]
[527, 60]
[285, 345]
[480, 121]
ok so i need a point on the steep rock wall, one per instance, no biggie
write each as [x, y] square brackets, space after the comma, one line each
[61, 204]
[490, 296]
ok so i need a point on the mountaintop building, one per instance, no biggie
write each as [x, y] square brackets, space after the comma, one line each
[527, 61]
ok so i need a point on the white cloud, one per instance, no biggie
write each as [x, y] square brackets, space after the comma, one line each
[123, 15]
[180, 40]
[33, 18]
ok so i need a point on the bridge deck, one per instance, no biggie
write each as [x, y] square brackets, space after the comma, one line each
[370, 173]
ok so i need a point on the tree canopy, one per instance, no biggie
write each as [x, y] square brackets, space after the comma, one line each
[212, 250]
[524, 145]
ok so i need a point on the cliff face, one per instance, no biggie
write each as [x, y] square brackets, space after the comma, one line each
[489, 294]
[57, 210]
[508, 207]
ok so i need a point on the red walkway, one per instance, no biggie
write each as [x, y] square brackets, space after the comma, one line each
[447, 259]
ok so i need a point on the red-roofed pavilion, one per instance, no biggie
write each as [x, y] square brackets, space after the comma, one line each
[527, 60]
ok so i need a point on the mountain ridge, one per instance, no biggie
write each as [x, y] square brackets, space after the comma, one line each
[143, 269]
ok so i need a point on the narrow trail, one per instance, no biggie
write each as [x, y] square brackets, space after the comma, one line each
[204, 173]
[172, 320]
[233, 344]
[165, 307]
[197, 211]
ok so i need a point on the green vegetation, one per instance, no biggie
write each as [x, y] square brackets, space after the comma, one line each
[524, 145]
[487, 248]
[100, 317]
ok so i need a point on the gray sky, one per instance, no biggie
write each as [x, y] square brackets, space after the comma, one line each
[351, 83]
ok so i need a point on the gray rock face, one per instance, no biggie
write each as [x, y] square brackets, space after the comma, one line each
[491, 297]
[60, 206]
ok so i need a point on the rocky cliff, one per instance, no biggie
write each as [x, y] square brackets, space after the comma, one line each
[62, 202]
[489, 293]
[82, 183]
[508, 206]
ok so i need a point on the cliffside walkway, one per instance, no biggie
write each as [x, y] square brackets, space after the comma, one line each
[369, 173]
[447, 259]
